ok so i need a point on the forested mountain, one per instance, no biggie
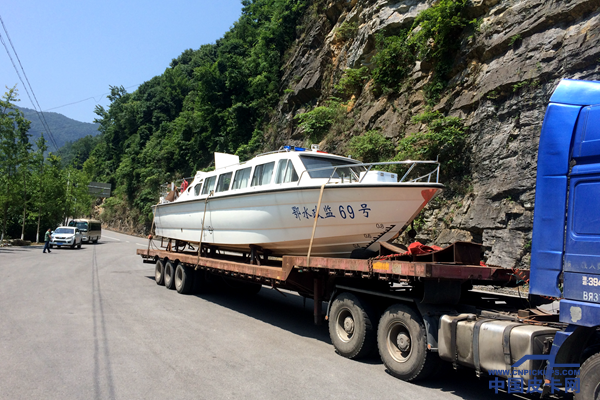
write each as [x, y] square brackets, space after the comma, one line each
[467, 81]
[63, 129]
[217, 98]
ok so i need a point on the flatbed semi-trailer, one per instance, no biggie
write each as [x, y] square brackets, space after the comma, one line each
[421, 311]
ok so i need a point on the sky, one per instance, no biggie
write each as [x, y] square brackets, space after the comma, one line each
[72, 51]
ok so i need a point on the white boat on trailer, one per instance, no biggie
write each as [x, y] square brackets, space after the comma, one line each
[296, 201]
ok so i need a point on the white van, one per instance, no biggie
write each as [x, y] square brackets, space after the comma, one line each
[90, 228]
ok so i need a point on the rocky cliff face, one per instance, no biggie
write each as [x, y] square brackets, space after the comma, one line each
[501, 81]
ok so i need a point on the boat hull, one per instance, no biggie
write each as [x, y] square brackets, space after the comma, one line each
[281, 221]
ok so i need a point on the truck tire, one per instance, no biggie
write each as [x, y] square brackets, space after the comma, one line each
[589, 375]
[351, 326]
[183, 279]
[169, 275]
[401, 339]
[159, 273]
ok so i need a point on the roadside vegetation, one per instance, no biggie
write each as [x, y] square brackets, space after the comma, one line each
[36, 192]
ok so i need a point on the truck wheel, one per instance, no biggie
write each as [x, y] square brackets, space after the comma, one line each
[159, 273]
[401, 339]
[351, 326]
[170, 275]
[183, 279]
[589, 379]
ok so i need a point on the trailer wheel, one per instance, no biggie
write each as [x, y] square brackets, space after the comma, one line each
[351, 326]
[589, 379]
[183, 279]
[401, 339]
[159, 272]
[169, 275]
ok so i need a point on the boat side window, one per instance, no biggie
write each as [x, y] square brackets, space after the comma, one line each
[224, 182]
[197, 188]
[209, 185]
[241, 179]
[285, 172]
[326, 166]
[263, 174]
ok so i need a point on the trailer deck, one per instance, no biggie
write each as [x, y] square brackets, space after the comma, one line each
[381, 268]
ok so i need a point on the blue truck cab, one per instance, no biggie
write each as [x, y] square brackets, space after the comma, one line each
[565, 259]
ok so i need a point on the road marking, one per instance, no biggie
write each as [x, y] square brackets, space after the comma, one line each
[109, 237]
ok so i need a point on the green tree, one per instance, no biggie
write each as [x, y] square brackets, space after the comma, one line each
[14, 149]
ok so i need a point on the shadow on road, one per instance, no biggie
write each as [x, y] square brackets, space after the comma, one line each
[294, 314]
[20, 249]
[465, 384]
[284, 310]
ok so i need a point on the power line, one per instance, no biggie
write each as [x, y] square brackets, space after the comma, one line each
[89, 98]
[40, 114]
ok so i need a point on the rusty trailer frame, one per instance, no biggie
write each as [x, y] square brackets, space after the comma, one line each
[318, 277]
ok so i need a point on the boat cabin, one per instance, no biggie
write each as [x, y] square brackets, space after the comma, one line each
[288, 167]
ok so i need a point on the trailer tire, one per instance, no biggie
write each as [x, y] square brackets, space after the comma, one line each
[351, 326]
[159, 273]
[170, 275]
[589, 377]
[183, 279]
[401, 339]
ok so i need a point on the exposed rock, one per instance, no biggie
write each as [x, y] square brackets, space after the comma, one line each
[501, 82]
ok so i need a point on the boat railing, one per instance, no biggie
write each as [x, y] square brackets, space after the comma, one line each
[359, 177]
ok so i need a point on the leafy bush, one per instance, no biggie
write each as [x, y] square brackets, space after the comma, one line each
[371, 147]
[353, 80]
[393, 62]
[434, 37]
[317, 122]
[444, 137]
[346, 31]
[514, 40]
[438, 39]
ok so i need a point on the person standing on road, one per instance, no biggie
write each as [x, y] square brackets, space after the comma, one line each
[47, 241]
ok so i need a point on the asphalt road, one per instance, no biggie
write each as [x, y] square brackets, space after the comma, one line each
[92, 324]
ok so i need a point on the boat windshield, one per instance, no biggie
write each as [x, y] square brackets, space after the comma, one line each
[65, 230]
[323, 167]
